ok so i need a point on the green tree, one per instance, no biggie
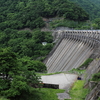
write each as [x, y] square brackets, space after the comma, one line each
[97, 22]
[39, 36]
[33, 65]
[16, 81]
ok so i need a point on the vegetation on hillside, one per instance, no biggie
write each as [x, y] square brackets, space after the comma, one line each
[71, 24]
[90, 6]
[29, 13]
[96, 2]
[18, 15]
[26, 43]
[96, 23]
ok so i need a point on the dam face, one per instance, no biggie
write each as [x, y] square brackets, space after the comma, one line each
[72, 50]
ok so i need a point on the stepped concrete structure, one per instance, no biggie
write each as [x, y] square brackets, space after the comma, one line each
[72, 48]
[93, 67]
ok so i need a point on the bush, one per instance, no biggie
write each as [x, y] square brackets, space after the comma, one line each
[96, 77]
[36, 65]
[86, 63]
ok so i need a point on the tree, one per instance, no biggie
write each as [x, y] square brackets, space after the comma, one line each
[97, 22]
[39, 36]
[36, 65]
[7, 63]
[16, 81]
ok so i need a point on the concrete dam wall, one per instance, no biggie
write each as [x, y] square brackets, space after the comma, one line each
[72, 49]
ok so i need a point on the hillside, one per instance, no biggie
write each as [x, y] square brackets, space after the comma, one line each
[21, 14]
[96, 2]
[90, 6]
[16, 16]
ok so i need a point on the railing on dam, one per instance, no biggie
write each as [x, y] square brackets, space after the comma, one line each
[79, 34]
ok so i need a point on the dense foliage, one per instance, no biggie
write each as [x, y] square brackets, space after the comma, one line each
[26, 43]
[16, 80]
[35, 65]
[96, 2]
[58, 22]
[96, 23]
[17, 14]
[90, 6]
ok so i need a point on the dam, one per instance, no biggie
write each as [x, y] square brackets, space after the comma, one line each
[72, 48]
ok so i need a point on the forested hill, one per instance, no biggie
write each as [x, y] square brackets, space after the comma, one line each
[96, 2]
[90, 6]
[18, 14]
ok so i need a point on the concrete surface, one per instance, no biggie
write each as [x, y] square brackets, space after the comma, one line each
[65, 81]
[68, 55]
[63, 96]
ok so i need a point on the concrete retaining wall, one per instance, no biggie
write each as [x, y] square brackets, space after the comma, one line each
[93, 68]
[94, 94]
